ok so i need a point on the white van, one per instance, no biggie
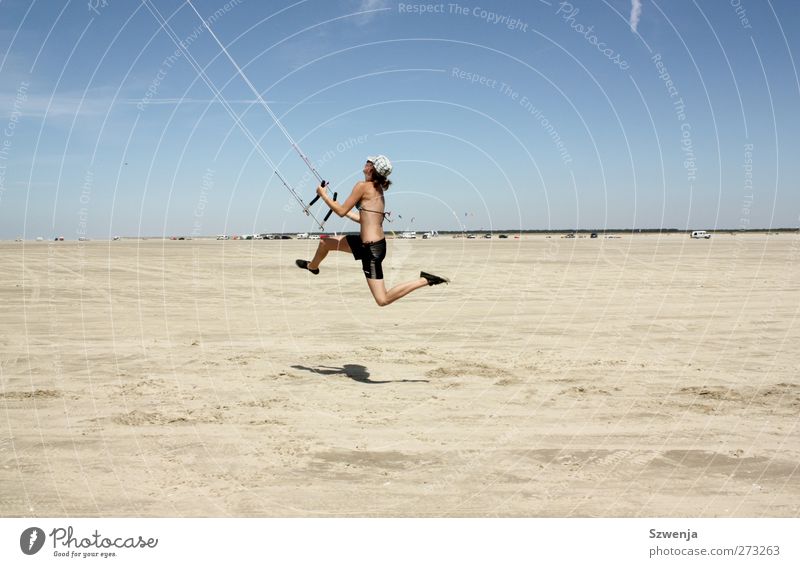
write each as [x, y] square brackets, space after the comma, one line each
[700, 234]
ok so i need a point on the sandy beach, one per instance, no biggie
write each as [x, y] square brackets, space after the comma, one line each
[639, 376]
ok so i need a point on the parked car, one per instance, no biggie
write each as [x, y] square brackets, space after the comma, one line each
[700, 234]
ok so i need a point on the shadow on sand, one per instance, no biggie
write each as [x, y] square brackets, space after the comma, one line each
[355, 372]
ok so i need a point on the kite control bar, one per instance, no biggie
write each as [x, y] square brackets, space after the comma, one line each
[315, 199]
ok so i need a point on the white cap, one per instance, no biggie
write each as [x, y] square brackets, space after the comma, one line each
[381, 164]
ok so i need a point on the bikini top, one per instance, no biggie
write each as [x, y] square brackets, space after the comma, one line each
[385, 215]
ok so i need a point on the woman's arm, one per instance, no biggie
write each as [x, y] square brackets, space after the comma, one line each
[354, 216]
[350, 202]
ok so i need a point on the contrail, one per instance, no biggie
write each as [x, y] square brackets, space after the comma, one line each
[636, 13]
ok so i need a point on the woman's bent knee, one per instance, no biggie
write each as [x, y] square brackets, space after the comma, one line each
[381, 299]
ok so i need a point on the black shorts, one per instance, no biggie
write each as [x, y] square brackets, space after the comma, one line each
[371, 255]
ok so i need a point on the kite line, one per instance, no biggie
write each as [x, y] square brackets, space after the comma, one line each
[218, 95]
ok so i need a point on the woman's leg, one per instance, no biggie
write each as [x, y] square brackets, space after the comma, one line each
[384, 298]
[327, 245]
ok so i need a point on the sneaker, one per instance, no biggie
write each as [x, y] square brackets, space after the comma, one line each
[303, 264]
[433, 280]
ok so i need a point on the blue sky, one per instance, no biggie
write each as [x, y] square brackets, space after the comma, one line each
[529, 114]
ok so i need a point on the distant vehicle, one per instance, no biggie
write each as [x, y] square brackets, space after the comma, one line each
[700, 234]
[302, 235]
[18, 239]
[594, 235]
[570, 235]
[408, 234]
[40, 239]
[430, 234]
[223, 237]
[285, 237]
[61, 239]
[471, 236]
[503, 236]
[313, 237]
[80, 239]
[181, 238]
[115, 238]
[487, 235]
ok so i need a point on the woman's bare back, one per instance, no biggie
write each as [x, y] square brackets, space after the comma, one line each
[371, 212]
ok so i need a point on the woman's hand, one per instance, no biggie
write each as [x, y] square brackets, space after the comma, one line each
[322, 191]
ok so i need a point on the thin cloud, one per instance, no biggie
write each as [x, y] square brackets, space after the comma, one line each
[176, 101]
[369, 9]
[55, 107]
[37, 106]
[636, 13]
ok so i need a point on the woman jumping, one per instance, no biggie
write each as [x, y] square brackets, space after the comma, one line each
[370, 246]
